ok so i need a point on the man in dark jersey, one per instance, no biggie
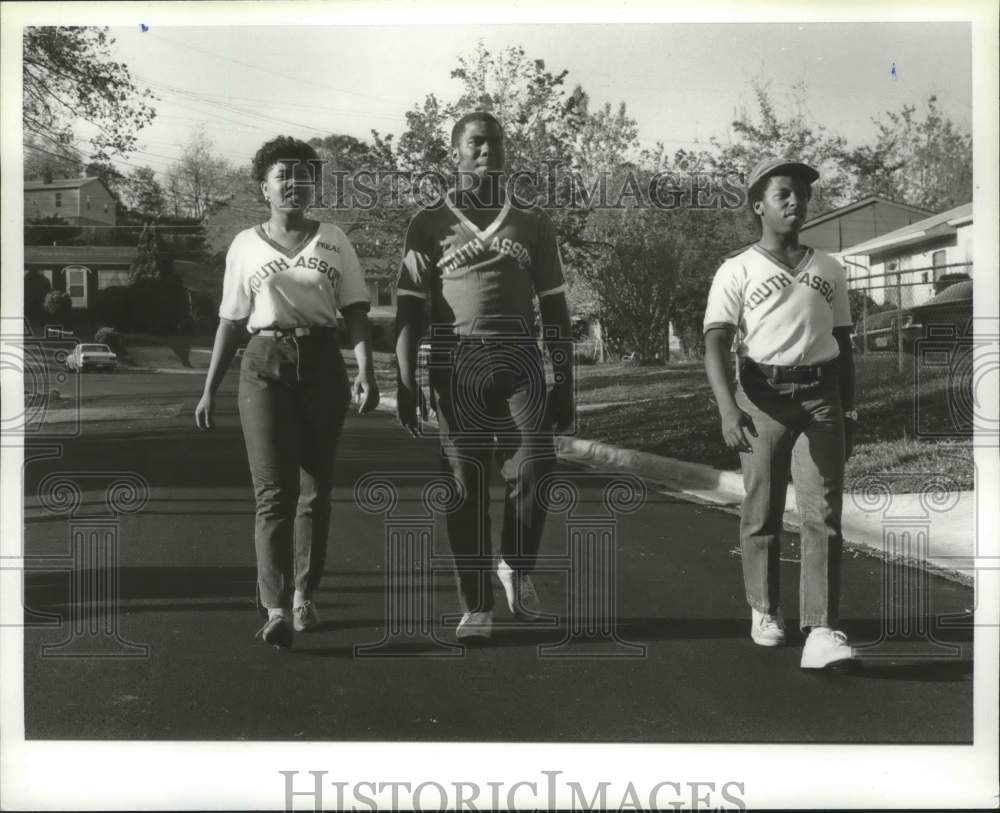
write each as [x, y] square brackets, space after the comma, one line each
[479, 259]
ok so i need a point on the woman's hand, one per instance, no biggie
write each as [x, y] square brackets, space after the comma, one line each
[204, 411]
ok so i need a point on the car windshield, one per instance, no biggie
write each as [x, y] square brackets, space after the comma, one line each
[94, 348]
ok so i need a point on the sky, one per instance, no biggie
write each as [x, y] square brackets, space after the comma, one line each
[681, 81]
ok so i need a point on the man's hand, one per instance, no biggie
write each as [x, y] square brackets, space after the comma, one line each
[737, 429]
[410, 401]
[849, 429]
[365, 392]
[559, 408]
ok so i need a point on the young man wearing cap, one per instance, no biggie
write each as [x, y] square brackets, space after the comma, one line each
[480, 259]
[792, 413]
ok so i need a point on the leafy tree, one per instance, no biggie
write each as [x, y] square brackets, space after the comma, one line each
[58, 306]
[69, 76]
[148, 263]
[243, 208]
[199, 180]
[772, 131]
[549, 132]
[46, 161]
[158, 298]
[633, 273]
[143, 194]
[109, 336]
[36, 288]
[924, 161]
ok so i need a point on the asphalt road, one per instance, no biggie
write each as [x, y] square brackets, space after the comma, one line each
[662, 656]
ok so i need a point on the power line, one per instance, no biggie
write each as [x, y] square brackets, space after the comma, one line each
[270, 72]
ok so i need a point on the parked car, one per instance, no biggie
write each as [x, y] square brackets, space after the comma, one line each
[951, 308]
[91, 357]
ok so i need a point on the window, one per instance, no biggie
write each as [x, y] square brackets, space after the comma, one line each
[105, 208]
[938, 262]
[384, 298]
[58, 199]
[88, 201]
[923, 277]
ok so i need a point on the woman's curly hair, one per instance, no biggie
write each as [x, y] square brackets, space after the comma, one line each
[282, 148]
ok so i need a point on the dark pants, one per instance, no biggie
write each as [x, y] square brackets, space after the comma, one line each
[491, 398]
[800, 435]
[293, 400]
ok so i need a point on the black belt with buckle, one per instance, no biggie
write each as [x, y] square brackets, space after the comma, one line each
[287, 332]
[796, 374]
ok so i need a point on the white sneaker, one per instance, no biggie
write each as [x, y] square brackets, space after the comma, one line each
[305, 617]
[826, 647]
[522, 599]
[767, 630]
[478, 625]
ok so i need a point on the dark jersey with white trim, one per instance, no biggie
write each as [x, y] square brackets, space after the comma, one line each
[481, 281]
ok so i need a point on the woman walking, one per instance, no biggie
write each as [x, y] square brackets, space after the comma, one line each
[285, 280]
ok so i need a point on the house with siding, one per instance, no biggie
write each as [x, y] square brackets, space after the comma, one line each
[80, 271]
[78, 201]
[861, 220]
[908, 266]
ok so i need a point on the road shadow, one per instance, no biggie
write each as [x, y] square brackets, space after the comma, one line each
[927, 670]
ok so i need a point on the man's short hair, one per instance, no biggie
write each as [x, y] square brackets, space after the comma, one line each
[479, 115]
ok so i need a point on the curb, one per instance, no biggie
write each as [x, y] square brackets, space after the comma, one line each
[864, 530]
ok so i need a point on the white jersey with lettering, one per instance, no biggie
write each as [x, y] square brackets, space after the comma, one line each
[274, 287]
[783, 315]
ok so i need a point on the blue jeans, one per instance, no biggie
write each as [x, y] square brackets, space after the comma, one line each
[293, 399]
[491, 398]
[800, 434]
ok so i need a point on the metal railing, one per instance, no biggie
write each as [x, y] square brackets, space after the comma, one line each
[892, 280]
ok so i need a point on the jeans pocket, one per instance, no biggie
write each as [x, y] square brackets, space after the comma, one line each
[259, 361]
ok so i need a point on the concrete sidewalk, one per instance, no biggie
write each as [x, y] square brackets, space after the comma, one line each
[933, 529]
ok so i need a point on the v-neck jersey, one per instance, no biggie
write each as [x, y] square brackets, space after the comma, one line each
[783, 315]
[273, 287]
[481, 280]
[312, 231]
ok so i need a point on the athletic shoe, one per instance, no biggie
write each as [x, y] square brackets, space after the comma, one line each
[475, 626]
[305, 617]
[767, 630]
[826, 647]
[277, 631]
[521, 596]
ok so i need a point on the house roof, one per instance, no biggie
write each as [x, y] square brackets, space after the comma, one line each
[938, 225]
[861, 204]
[870, 200]
[82, 255]
[60, 183]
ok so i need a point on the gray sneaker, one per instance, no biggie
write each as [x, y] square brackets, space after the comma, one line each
[522, 598]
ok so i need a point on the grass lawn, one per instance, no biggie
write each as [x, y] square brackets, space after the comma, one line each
[669, 410]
